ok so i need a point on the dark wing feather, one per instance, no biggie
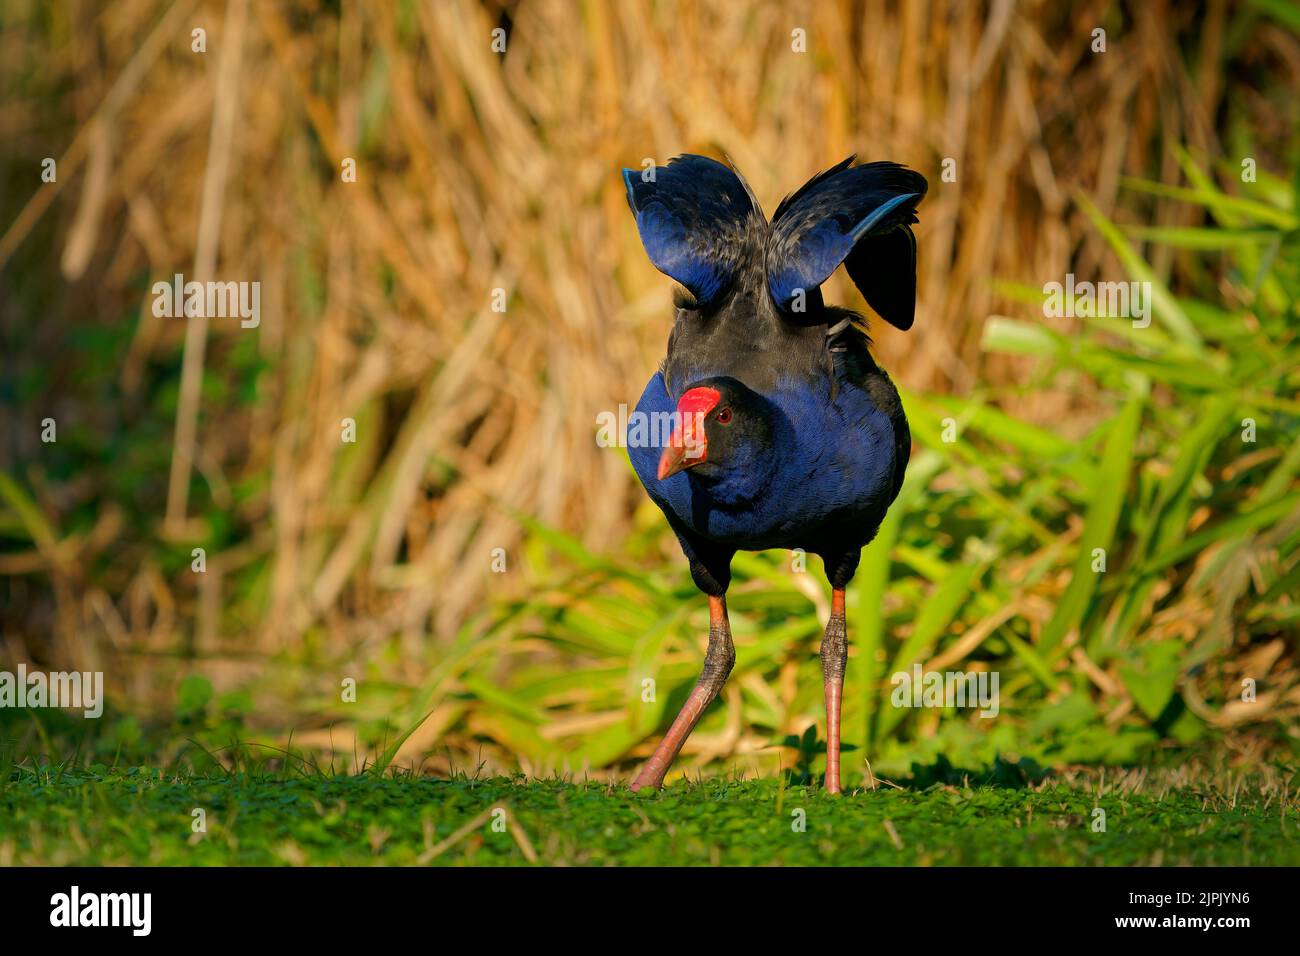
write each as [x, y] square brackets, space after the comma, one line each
[834, 215]
[883, 267]
[698, 221]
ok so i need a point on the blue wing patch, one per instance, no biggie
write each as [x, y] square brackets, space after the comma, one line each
[859, 213]
[698, 221]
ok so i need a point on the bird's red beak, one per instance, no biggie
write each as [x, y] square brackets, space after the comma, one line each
[688, 446]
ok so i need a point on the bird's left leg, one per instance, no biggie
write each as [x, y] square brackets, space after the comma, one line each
[835, 654]
[718, 661]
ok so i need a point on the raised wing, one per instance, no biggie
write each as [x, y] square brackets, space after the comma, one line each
[698, 220]
[862, 214]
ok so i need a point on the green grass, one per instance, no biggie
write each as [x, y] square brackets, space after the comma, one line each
[144, 816]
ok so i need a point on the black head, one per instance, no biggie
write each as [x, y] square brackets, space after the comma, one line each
[722, 427]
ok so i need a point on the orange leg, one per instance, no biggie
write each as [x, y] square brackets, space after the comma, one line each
[835, 653]
[718, 661]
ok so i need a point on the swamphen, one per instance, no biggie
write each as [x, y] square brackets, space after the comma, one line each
[786, 434]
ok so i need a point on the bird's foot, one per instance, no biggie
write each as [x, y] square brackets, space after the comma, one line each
[652, 772]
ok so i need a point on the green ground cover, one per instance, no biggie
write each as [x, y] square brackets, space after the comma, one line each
[147, 816]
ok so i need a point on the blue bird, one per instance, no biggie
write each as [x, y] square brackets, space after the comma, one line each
[768, 424]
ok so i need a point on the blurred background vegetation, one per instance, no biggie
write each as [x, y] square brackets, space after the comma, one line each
[475, 430]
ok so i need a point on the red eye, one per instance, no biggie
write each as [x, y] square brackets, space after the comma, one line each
[724, 416]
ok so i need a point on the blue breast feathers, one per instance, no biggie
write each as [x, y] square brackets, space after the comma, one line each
[833, 471]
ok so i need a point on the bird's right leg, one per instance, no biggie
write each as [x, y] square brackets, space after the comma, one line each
[718, 661]
[835, 654]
